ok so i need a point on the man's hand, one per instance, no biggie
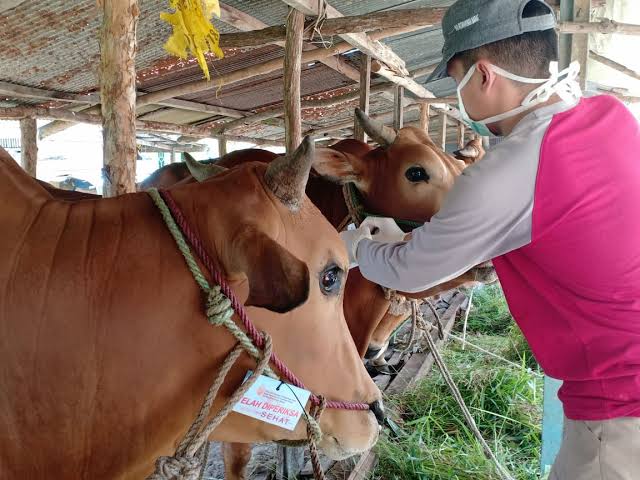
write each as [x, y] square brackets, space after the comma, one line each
[383, 230]
[351, 238]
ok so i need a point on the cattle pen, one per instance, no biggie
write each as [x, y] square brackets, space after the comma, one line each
[288, 69]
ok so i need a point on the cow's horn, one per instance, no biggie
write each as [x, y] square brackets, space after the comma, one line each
[470, 151]
[287, 176]
[202, 171]
[379, 132]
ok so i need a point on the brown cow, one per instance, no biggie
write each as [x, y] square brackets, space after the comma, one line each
[407, 177]
[105, 354]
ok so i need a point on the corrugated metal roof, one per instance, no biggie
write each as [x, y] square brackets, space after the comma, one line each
[53, 44]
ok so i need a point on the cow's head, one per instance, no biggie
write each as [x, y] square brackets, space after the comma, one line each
[289, 266]
[406, 177]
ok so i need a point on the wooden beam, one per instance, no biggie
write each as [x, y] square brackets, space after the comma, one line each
[20, 91]
[580, 42]
[118, 95]
[247, 23]
[604, 26]
[424, 117]
[291, 78]
[256, 36]
[358, 40]
[384, 116]
[16, 113]
[249, 72]
[278, 110]
[202, 107]
[614, 65]
[222, 146]
[393, 67]
[398, 111]
[621, 96]
[443, 130]
[59, 126]
[434, 101]
[9, 4]
[460, 135]
[365, 92]
[29, 145]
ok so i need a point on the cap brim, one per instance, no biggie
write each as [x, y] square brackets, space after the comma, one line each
[440, 71]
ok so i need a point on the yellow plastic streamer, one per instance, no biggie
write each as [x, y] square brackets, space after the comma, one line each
[193, 31]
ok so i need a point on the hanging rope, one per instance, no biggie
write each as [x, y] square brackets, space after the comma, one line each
[186, 463]
[502, 471]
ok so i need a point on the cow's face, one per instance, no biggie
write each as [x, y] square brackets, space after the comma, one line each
[289, 266]
[407, 177]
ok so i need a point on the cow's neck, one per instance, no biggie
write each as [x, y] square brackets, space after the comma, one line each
[111, 316]
[328, 198]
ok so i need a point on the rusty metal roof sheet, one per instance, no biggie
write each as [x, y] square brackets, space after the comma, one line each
[53, 44]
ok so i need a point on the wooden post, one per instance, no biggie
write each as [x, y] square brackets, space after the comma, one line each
[29, 145]
[460, 134]
[580, 42]
[222, 146]
[365, 91]
[398, 110]
[292, 68]
[118, 95]
[425, 113]
[443, 130]
[173, 155]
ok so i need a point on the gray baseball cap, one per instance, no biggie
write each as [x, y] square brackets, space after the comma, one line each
[472, 23]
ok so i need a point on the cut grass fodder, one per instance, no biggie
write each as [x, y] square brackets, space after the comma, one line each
[504, 400]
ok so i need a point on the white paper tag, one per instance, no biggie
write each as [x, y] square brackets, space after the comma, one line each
[274, 402]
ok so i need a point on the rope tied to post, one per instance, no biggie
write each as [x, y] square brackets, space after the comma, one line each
[186, 462]
[418, 319]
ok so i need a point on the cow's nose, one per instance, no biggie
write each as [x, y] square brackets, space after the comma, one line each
[378, 410]
[372, 352]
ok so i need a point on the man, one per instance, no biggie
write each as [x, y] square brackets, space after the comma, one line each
[555, 205]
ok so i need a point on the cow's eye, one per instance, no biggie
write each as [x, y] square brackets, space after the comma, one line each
[331, 280]
[416, 174]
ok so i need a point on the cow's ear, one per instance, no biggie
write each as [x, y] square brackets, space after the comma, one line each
[339, 167]
[278, 281]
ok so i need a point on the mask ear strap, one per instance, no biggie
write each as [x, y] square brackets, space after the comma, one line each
[512, 76]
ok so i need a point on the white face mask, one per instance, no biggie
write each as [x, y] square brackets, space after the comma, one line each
[561, 83]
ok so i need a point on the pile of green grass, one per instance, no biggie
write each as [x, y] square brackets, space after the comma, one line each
[505, 401]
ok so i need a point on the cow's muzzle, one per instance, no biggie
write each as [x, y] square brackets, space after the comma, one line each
[378, 410]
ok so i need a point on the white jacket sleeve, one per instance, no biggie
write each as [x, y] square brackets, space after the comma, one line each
[486, 214]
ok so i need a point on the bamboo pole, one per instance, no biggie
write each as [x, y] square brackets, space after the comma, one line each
[615, 65]
[398, 111]
[292, 70]
[460, 135]
[415, 17]
[222, 146]
[364, 94]
[29, 145]
[604, 26]
[424, 117]
[580, 42]
[118, 95]
[16, 113]
[443, 130]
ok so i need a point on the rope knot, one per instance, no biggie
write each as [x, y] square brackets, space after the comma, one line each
[219, 308]
[176, 468]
